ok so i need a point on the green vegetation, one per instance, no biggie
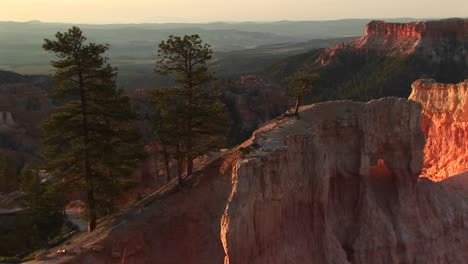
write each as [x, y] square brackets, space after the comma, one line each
[169, 120]
[9, 167]
[301, 83]
[41, 220]
[90, 142]
[363, 77]
[280, 70]
[43, 200]
[192, 120]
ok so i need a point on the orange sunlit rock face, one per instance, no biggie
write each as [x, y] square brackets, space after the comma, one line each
[445, 124]
[433, 39]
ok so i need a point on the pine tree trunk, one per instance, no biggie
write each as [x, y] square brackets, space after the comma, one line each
[180, 168]
[91, 211]
[88, 175]
[189, 166]
[166, 163]
[296, 107]
[189, 144]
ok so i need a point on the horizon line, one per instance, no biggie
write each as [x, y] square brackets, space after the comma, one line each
[228, 22]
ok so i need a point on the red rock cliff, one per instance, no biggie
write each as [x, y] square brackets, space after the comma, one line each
[445, 124]
[434, 39]
[340, 185]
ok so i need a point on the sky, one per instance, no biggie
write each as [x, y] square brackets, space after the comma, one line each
[143, 11]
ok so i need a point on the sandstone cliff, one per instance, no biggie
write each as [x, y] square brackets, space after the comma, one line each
[339, 185]
[434, 39]
[445, 124]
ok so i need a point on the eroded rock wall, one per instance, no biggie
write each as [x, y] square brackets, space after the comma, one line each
[316, 192]
[338, 185]
[437, 40]
[445, 124]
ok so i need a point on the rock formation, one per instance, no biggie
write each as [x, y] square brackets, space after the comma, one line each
[338, 185]
[435, 39]
[445, 124]
[22, 107]
[7, 121]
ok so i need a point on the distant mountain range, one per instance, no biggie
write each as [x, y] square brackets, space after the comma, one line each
[239, 47]
[20, 48]
[309, 29]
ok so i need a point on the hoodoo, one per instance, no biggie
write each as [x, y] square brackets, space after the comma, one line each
[445, 124]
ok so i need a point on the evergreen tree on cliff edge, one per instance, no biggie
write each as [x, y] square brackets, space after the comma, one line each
[201, 119]
[89, 141]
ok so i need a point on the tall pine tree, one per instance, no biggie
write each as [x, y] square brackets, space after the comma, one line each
[89, 141]
[167, 127]
[201, 120]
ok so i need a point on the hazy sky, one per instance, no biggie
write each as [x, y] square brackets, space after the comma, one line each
[121, 11]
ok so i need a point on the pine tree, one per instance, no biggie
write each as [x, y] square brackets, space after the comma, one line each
[301, 83]
[168, 127]
[201, 117]
[43, 203]
[89, 141]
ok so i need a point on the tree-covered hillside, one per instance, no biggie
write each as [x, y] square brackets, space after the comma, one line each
[367, 76]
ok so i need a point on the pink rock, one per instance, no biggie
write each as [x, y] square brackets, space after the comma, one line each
[445, 124]
[432, 39]
[339, 185]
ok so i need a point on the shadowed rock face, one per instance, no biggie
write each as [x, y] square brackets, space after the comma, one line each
[445, 124]
[22, 107]
[339, 185]
[253, 101]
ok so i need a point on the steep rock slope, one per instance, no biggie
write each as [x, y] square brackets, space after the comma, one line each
[445, 124]
[339, 185]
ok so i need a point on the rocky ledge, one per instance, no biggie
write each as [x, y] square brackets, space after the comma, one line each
[339, 185]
